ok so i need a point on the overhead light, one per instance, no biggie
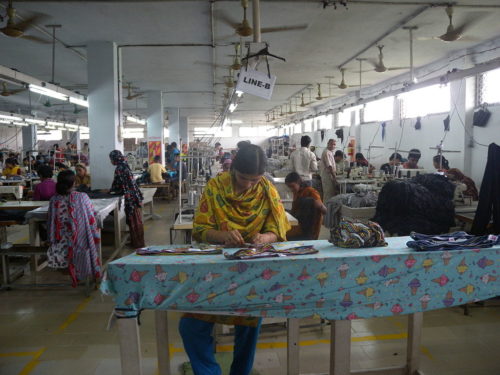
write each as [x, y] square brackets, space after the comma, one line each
[34, 121]
[47, 92]
[12, 118]
[232, 107]
[131, 130]
[136, 120]
[55, 123]
[17, 123]
[239, 93]
[80, 102]
[71, 127]
[50, 127]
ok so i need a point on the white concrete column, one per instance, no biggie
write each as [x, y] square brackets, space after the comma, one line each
[105, 118]
[29, 138]
[173, 125]
[183, 131]
[155, 126]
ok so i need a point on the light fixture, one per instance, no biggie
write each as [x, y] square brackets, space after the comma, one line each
[71, 127]
[11, 118]
[55, 123]
[80, 102]
[17, 123]
[47, 92]
[136, 120]
[232, 107]
[34, 121]
[131, 130]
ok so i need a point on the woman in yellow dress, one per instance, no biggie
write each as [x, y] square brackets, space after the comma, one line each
[237, 207]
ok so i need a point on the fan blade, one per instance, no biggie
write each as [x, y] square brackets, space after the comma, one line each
[35, 39]
[399, 68]
[130, 97]
[373, 62]
[224, 18]
[472, 19]
[14, 92]
[278, 29]
[28, 22]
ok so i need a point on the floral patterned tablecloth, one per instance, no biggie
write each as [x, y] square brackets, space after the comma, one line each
[335, 283]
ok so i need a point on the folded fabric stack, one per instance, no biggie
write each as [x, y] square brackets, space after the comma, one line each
[452, 241]
[354, 234]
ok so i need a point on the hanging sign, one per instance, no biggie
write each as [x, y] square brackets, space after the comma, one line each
[256, 83]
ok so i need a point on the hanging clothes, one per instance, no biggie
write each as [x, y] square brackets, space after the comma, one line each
[489, 195]
[125, 185]
[73, 236]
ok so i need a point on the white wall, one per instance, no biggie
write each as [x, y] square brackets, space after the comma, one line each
[11, 138]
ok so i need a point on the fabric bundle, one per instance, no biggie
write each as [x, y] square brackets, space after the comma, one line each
[452, 241]
[268, 251]
[423, 204]
[355, 234]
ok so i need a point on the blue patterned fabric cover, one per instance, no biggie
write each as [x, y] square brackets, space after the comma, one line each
[334, 284]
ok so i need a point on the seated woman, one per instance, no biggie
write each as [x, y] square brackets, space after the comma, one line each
[46, 189]
[11, 168]
[455, 175]
[82, 179]
[236, 207]
[73, 234]
[440, 163]
[307, 207]
[362, 162]
[394, 161]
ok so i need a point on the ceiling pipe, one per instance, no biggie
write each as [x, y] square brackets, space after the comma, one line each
[257, 38]
[212, 41]
[401, 23]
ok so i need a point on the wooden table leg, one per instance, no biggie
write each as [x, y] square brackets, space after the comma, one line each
[414, 340]
[33, 231]
[162, 346]
[340, 347]
[118, 228]
[292, 349]
[130, 346]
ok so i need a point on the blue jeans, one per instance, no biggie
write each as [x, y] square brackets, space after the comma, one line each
[199, 344]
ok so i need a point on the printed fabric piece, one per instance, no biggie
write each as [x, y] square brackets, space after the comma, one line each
[355, 234]
[268, 251]
[334, 284]
[73, 235]
[258, 210]
[157, 250]
[452, 241]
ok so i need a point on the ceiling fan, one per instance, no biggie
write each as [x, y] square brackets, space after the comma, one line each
[378, 64]
[244, 29]
[130, 95]
[342, 85]
[17, 30]
[454, 33]
[304, 104]
[6, 92]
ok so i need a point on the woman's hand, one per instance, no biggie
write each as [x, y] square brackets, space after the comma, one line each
[232, 238]
[262, 238]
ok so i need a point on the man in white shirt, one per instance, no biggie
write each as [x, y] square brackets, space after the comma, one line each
[304, 161]
[328, 171]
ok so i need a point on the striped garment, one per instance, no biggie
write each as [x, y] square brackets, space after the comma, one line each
[73, 236]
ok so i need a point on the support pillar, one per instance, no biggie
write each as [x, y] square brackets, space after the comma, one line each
[173, 125]
[105, 119]
[29, 139]
[183, 131]
[155, 126]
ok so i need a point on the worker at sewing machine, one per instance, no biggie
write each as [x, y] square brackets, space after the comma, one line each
[342, 165]
[413, 158]
[466, 187]
[362, 162]
[237, 207]
[394, 162]
[11, 170]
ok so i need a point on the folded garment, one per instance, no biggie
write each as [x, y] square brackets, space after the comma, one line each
[356, 234]
[451, 241]
[155, 250]
[267, 251]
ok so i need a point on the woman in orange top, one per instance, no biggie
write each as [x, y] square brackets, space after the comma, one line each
[307, 207]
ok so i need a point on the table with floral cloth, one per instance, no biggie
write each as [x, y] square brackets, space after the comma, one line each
[335, 284]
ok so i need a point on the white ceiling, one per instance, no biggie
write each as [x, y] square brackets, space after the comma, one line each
[185, 73]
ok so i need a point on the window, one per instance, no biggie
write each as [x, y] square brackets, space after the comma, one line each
[50, 135]
[325, 122]
[257, 131]
[379, 110]
[426, 101]
[489, 92]
[217, 132]
[344, 118]
[297, 128]
[308, 125]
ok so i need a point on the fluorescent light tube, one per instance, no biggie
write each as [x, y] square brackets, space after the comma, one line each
[71, 126]
[47, 92]
[136, 120]
[20, 123]
[232, 107]
[34, 121]
[11, 118]
[80, 102]
[55, 123]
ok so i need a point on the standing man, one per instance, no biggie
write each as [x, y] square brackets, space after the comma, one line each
[328, 171]
[304, 161]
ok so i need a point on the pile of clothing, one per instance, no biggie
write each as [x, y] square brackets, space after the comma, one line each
[423, 204]
[355, 234]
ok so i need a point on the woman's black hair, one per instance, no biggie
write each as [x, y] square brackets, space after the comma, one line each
[395, 156]
[359, 155]
[445, 164]
[11, 161]
[44, 171]
[293, 177]
[61, 165]
[65, 182]
[242, 144]
[250, 160]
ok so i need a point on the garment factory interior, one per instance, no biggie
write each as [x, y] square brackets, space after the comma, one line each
[136, 133]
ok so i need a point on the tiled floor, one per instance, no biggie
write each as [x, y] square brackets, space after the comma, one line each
[60, 331]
